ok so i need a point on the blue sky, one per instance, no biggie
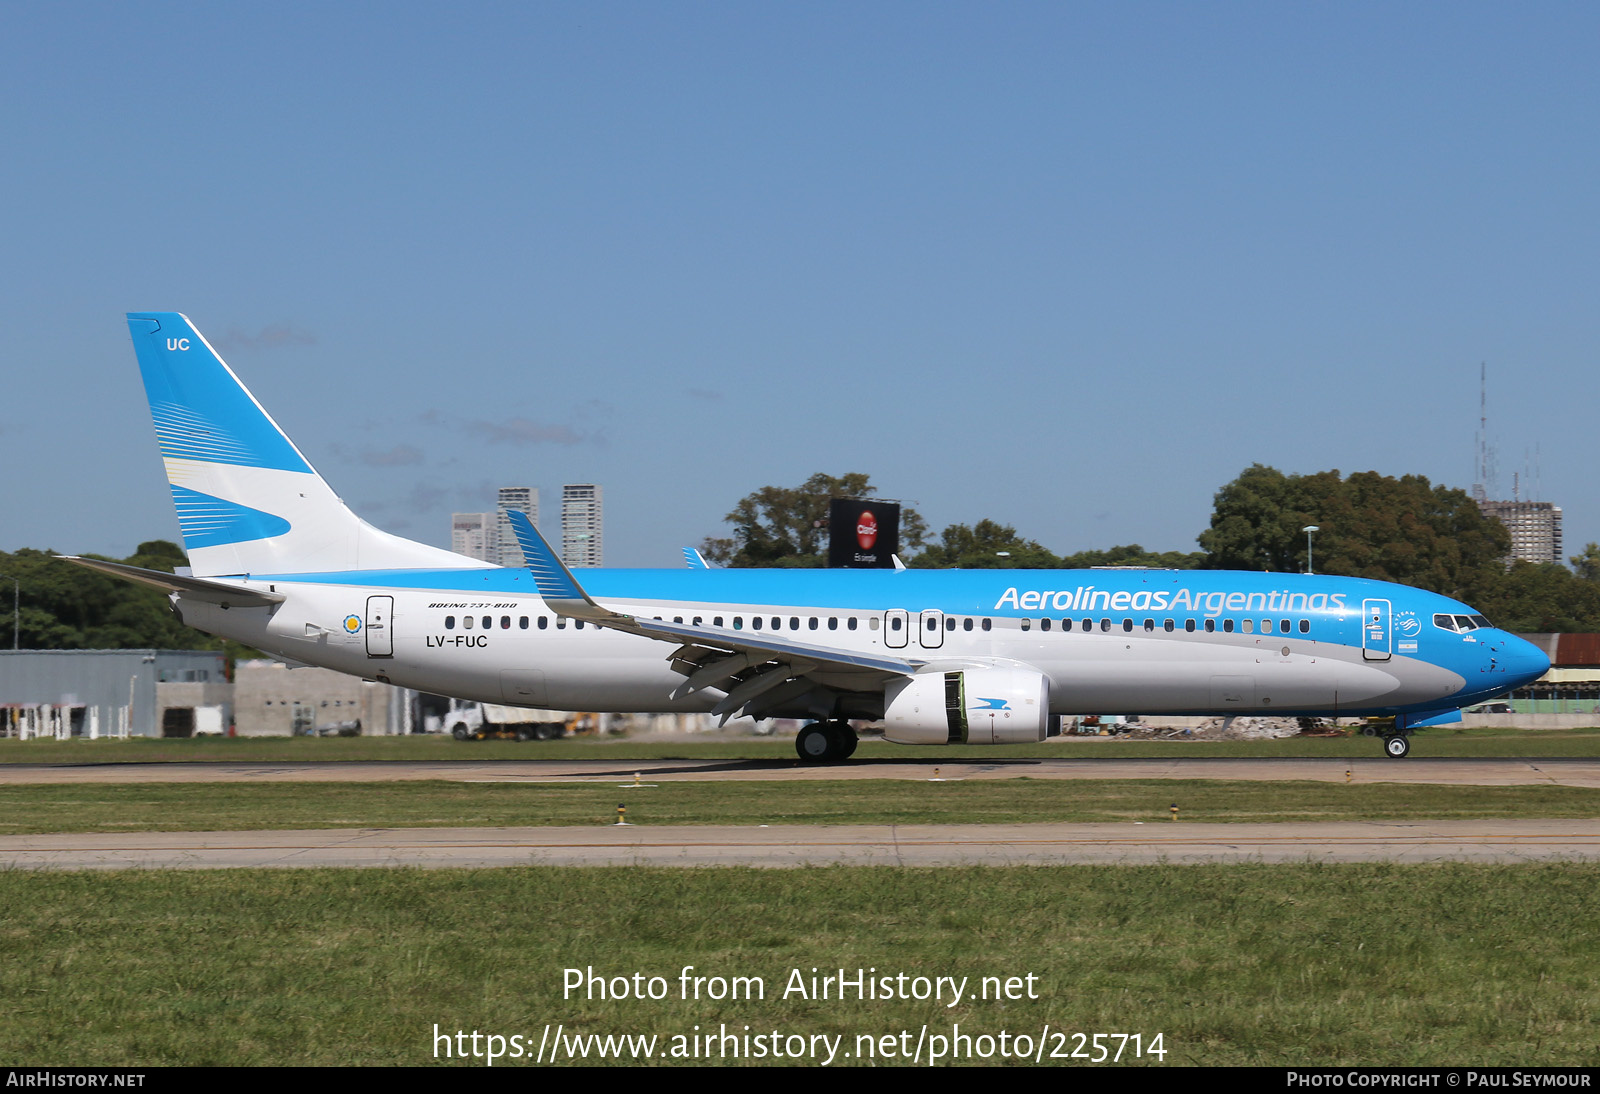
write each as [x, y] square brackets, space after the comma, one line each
[1070, 267]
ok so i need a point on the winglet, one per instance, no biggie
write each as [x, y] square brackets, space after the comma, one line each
[694, 559]
[556, 583]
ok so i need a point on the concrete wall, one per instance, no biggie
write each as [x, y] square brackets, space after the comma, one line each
[272, 700]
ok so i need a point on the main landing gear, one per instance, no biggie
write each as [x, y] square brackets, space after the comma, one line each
[825, 742]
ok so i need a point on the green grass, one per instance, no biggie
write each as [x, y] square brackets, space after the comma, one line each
[1438, 743]
[101, 807]
[1238, 965]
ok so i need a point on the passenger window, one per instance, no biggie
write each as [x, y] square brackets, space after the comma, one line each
[716, 621]
[894, 624]
[1149, 625]
[1105, 624]
[1044, 624]
[872, 624]
[488, 622]
[1305, 626]
[1249, 625]
[794, 622]
[966, 624]
[1167, 626]
[1188, 625]
[777, 624]
[578, 624]
[755, 621]
[544, 622]
[696, 621]
[561, 622]
[933, 624]
[833, 622]
[1211, 626]
[949, 622]
[1026, 623]
[1227, 626]
[505, 622]
[850, 624]
[1088, 625]
[466, 622]
[738, 622]
[449, 622]
[986, 624]
[1266, 626]
[1127, 626]
[813, 623]
[522, 622]
[677, 619]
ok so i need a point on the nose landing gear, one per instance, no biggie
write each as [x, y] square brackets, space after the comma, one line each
[825, 742]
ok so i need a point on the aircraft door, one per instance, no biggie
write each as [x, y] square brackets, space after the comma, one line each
[1377, 633]
[895, 626]
[930, 629]
[379, 626]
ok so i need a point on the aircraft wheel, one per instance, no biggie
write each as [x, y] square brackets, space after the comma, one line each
[1396, 747]
[844, 738]
[815, 744]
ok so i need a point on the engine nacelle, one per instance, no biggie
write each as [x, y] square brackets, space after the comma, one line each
[980, 706]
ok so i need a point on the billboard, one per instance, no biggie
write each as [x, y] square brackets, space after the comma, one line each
[863, 533]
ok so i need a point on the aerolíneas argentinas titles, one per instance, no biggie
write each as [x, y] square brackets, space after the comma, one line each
[938, 656]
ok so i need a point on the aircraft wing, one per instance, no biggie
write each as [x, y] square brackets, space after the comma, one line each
[757, 671]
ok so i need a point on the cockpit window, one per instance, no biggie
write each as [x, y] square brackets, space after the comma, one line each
[1465, 623]
[1482, 621]
[1445, 621]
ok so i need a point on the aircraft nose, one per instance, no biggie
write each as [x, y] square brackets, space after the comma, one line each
[1522, 660]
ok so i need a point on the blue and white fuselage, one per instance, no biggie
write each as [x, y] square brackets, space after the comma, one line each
[981, 656]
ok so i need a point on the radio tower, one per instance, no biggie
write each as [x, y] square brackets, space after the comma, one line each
[1483, 473]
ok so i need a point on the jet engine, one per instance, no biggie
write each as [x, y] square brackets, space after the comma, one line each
[980, 706]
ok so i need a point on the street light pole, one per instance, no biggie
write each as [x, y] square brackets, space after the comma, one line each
[1308, 529]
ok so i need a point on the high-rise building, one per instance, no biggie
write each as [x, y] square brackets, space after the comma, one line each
[582, 541]
[526, 499]
[1535, 528]
[473, 535]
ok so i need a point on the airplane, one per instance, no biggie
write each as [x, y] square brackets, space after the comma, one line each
[279, 563]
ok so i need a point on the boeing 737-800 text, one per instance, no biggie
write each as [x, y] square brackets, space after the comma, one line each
[937, 656]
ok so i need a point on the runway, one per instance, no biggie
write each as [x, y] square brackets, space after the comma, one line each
[1456, 771]
[818, 845]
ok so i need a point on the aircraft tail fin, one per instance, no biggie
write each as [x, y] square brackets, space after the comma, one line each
[248, 501]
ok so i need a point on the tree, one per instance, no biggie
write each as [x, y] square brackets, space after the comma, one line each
[1404, 530]
[781, 526]
[1133, 555]
[984, 546]
[1587, 564]
[1540, 598]
[66, 607]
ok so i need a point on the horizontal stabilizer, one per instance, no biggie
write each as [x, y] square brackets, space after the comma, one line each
[213, 592]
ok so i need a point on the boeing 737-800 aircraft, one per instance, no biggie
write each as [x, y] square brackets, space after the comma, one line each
[938, 656]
